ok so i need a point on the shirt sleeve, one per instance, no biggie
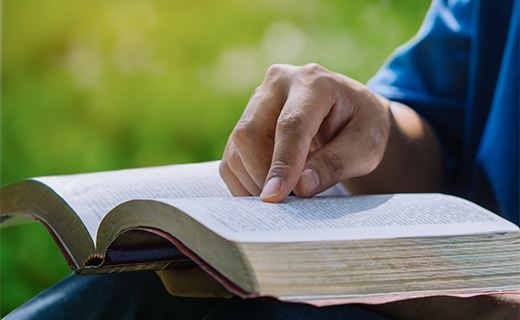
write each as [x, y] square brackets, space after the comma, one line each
[430, 73]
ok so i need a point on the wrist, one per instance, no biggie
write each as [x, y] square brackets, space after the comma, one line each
[412, 157]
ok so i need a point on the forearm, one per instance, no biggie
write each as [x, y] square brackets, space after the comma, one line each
[412, 161]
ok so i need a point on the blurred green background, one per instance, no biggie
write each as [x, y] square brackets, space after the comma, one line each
[101, 85]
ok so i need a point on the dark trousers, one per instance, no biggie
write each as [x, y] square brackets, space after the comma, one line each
[140, 295]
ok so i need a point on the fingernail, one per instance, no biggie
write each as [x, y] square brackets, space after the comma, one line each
[271, 188]
[309, 181]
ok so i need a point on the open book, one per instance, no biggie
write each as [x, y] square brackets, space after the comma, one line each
[334, 247]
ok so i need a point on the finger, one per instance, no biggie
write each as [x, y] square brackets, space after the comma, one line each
[234, 185]
[237, 167]
[253, 136]
[351, 153]
[297, 124]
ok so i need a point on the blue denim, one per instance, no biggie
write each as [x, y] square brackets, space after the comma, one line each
[141, 295]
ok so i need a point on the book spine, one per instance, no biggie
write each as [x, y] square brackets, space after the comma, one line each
[180, 258]
[148, 266]
[228, 284]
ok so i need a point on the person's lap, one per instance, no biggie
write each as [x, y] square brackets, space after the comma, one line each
[140, 295]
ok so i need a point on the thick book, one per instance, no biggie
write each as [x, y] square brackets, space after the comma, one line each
[333, 248]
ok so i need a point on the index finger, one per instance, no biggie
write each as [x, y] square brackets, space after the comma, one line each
[299, 121]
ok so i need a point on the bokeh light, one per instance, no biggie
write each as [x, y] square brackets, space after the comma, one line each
[101, 85]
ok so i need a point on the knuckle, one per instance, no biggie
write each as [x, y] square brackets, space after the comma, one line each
[275, 70]
[323, 79]
[244, 131]
[280, 166]
[315, 76]
[313, 68]
[275, 75]
[290, 122]
[233, 160]
[334, 164]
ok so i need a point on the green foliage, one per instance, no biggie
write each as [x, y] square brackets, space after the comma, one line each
[101, 85]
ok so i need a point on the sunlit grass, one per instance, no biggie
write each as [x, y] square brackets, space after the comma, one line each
[104, 85]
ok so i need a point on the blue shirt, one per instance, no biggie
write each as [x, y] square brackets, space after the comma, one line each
[460, 72]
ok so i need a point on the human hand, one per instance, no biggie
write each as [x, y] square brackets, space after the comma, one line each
[304, 130]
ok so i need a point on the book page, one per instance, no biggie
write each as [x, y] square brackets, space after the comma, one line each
[92, 195]
[247, 219]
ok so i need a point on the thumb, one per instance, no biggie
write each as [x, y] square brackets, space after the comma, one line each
[323, 169]
[348, 155]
